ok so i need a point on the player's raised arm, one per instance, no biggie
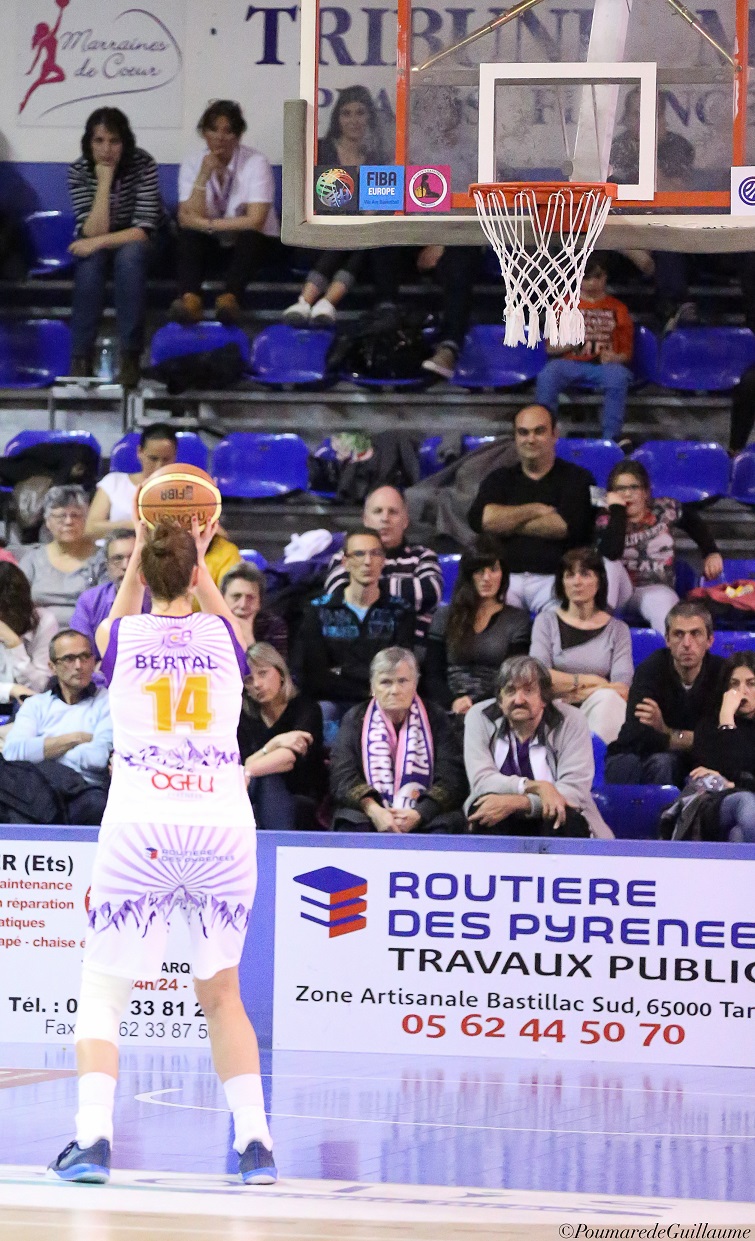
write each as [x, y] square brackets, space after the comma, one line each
[206, 592]
[130, 596]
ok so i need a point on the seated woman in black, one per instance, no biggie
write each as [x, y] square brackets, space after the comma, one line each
[724, 746]
[471, 637]
[280, 740]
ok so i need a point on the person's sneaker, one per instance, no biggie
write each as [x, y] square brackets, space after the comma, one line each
[297, 315]
[227, 310]
[129, 372]
[443, 362]
[257, 1166]
[186, 309]
[90, 1165]
[323, 313]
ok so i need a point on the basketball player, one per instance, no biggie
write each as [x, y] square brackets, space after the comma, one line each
[177, 833]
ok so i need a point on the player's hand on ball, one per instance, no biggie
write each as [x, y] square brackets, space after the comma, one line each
[202, 538]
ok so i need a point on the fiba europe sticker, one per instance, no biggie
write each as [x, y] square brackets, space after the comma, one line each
[336, 190]
[428, 187]
[743, 191]
[381, 187]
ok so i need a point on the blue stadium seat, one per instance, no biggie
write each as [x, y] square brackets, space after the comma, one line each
[705, 359]
[50, 233]
[253, 557]
[685, 470]
[597, 456]
[33, 352]
[644, 642]
[599, 749]
[28, 439]
[633, 810]
[428, 456]
[449, 567]
[175, 341]
[733, 641]
[286, 355]
[645, 355]
[485, 362]
[252, 465]
[190, 450]
[735, 570]
[685, 578]
[742, 485]
[470, 442]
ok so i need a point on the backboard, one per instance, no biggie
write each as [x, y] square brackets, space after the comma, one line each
[646, 93]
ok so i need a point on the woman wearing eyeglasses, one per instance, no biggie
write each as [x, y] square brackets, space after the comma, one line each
[226, 219]
[638, 529]
[71, 562]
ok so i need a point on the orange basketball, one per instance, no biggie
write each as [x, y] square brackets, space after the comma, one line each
[175, 493]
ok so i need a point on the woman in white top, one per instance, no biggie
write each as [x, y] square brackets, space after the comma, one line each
[25, 633]
[113, 505]
[226, 216]
[588, 651]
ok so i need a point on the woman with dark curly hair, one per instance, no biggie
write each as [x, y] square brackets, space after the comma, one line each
[25, 633]
[226, 219]
[353, 138]
[471, 637]
[116, 200]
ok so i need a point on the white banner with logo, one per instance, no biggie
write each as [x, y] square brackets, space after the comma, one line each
[43, 917]
[442, 952]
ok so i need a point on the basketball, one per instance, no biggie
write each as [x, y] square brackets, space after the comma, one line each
[175, 493]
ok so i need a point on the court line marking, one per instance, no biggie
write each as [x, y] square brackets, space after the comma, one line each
[148, 1096]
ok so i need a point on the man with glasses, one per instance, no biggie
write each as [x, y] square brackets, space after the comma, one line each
[69, 724]
[94, 605]
[342, 631]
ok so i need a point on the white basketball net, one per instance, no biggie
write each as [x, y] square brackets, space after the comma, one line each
[547, 276]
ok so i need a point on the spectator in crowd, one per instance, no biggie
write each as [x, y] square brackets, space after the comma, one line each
[587, 651]
[70, 563]
[602, 362]
[243, 589]
[113, 503]
[354, 137]
[471, 637]
[529, 760]
[280, 741]
[227, 222]
[25, 635]
[411, 571]
[743, 408]
[724, 746]
[69, 723]
[539, 508]
[93, 606]
[343, 629]
[672, 691]
[396, 765]
[116, 201]
[637, 532]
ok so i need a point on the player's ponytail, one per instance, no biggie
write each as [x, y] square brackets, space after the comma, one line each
[168, 558]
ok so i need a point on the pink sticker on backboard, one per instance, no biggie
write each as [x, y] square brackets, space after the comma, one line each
[428, 187]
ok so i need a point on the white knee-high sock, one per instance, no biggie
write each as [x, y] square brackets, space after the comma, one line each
[94, 1118]
[245, 1099]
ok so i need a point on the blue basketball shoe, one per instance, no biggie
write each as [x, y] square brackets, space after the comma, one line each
[257, 1166]
[91, 1165]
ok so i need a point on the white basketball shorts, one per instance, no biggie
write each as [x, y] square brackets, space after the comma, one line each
[145, 871]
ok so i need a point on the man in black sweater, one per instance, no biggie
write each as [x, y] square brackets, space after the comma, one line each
[673, 689]
[538, 508]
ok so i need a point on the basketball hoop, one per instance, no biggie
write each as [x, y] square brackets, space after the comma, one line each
[543, 235]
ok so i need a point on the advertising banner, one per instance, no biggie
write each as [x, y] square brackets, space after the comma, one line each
[43, 919]
[610, 957]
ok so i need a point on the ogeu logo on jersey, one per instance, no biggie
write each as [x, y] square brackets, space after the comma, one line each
[182, 782]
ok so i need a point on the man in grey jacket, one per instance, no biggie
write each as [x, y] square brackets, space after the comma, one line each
[529, 761]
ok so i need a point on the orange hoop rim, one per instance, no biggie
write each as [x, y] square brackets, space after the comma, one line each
[542, 191]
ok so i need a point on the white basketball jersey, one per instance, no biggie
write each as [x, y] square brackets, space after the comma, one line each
[175, 696]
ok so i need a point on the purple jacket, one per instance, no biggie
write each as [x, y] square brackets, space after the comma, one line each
[93, 607]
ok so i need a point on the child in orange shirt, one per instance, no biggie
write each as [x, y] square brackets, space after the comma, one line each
[602, 362]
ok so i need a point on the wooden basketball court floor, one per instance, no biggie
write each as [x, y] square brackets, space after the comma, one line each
[387, 1148]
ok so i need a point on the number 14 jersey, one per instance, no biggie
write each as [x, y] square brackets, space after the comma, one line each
[175, 697]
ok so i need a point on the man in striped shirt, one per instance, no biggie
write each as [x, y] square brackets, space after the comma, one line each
[411, 571]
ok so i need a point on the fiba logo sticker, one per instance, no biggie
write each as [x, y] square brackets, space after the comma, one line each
[743, 191]
[336, 190]
[428, 187]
